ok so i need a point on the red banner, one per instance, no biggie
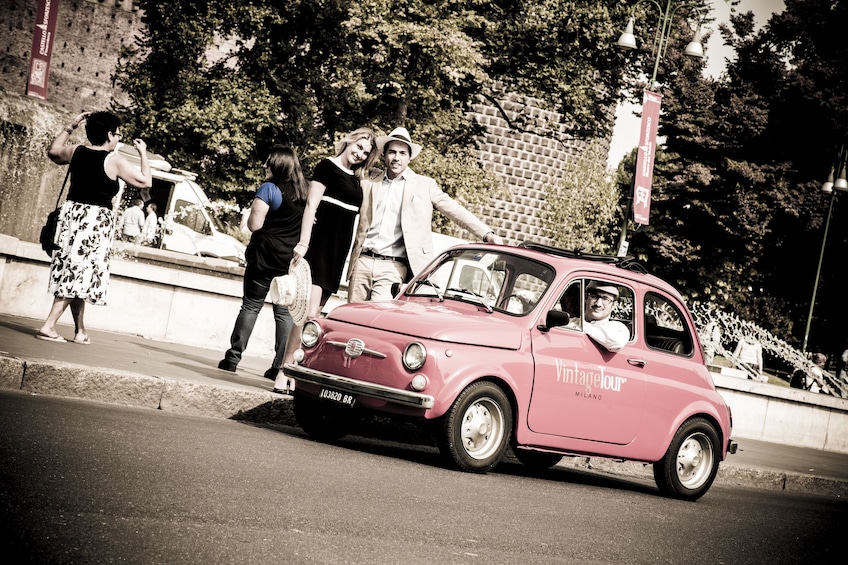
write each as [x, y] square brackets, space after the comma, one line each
[645, 157]
[42, 48]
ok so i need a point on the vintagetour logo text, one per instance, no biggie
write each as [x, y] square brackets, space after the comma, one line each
[594, 379]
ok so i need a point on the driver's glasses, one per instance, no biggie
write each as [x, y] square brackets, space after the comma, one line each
[595, 297]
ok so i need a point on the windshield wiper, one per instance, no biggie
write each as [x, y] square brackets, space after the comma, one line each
[428, 282]
[470, 296]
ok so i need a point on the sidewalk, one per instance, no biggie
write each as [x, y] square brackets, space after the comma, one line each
[134, 371]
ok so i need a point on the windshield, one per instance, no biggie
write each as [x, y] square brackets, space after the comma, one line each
[495, 281]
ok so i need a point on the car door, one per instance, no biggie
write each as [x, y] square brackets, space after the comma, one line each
[581, 390]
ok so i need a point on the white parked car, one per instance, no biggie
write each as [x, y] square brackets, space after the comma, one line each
[187, 222]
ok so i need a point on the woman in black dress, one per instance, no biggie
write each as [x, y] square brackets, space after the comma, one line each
[331, 208]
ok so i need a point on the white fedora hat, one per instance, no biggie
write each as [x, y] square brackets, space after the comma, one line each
[398, 134]
[603, 287]
[292, 290]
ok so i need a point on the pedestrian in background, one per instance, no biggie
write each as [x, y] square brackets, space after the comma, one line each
[275, 222]
[842, 366]
[749, 354]
[394, 240]
[711, 341]
[816, 382]
[79, 270]
[150, 232]
[133, 222]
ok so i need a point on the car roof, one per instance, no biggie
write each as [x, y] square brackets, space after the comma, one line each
[567, 260]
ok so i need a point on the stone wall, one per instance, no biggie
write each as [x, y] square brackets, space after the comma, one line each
[89, 35]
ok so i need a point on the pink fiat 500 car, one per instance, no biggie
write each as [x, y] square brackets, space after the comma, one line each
[491, 345]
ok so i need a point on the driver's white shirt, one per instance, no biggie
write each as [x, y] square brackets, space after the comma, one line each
[612, 334]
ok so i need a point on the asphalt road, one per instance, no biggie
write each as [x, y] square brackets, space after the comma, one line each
[85, 482]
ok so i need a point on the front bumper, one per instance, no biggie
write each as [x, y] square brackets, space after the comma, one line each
[361, 388]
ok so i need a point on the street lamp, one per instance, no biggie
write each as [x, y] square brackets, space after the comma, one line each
[831, 187]
[627, 40]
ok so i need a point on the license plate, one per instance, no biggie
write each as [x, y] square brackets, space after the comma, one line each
[337, 397]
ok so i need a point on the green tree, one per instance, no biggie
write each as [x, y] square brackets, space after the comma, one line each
[582, 207]
[302, 72]
[736, 213]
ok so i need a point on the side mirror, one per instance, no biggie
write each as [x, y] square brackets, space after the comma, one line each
[553, 319]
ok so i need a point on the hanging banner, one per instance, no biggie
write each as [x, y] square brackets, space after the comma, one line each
[42, 48]
[645, 157]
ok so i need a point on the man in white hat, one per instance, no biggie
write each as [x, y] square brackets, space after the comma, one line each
[394, 240]
[600, 299]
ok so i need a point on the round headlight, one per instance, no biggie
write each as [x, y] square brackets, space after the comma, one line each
[310, 334]
[414, 356]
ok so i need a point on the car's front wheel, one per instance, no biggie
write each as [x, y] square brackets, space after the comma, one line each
[322, 420]
[475, 431]
[690, 465]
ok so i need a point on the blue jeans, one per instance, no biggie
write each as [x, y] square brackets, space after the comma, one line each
[256, 287]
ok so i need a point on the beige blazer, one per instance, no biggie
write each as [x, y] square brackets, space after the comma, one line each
[420, 196]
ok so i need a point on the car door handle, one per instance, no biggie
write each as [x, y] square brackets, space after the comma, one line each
[637, 362]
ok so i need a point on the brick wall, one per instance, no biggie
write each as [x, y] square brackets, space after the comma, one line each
[527, 161]
[89, 35]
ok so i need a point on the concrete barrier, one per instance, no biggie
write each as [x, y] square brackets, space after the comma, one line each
[194, 301]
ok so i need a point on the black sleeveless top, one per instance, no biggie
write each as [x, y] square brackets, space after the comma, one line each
[89, 182]
[270, 248]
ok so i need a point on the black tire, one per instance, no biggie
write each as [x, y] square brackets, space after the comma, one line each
[475, 431]
[690, 465]
[321, 420]
[537, 459]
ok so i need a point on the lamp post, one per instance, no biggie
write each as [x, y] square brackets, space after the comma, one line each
[627, 40]
[832, 187]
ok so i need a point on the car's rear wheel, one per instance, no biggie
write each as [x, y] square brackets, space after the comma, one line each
[475, 431]
[536, 459]
[690, 465]
[322, 420]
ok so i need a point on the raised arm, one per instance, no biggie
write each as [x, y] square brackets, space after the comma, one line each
[125, 171]
[59, 152]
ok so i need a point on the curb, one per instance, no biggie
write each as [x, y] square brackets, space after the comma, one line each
[728, 475]
[53, 378]
[124, 388]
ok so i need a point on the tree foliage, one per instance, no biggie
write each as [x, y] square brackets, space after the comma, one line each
[213, 84]
[582, 207]
[736, 213]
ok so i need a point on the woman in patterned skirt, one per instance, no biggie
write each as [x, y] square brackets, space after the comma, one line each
[79, 272]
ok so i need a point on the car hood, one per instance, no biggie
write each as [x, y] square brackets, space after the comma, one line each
[433, 321]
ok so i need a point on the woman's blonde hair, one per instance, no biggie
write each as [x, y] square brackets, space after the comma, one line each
[364, 168]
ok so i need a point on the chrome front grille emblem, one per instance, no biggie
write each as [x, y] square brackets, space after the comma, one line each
[354, 347]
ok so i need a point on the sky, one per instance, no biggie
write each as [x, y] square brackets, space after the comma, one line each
[625, 135]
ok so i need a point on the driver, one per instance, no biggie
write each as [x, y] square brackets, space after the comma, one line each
[600, 299]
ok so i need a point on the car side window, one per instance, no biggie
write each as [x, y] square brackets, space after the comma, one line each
[623, 309]
[572, 302]
[188, 214]
[665, 326]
